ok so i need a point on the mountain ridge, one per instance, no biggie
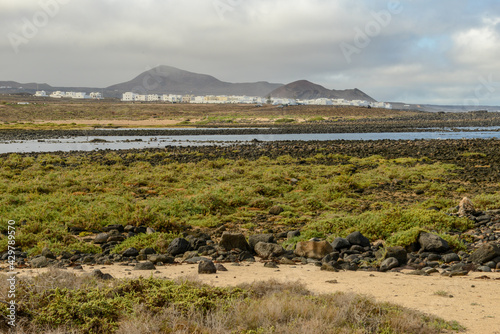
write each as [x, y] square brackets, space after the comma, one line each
[165, 79]
[306, 90]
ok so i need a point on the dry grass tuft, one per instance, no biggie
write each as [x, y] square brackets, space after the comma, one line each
[263, 307]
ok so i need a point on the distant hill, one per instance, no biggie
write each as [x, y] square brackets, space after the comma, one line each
[167, 79]
[31, 87]
[306, 90]
[170, 80]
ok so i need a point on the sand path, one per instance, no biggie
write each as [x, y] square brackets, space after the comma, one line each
[475, 302]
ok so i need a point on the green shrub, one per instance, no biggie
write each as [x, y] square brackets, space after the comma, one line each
[158, 241]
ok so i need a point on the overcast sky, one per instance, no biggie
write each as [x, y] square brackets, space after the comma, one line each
[420, 51]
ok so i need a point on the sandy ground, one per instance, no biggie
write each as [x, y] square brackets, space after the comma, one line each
[118, 122]
[474, 301]
[150, 122]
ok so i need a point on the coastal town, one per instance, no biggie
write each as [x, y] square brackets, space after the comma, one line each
[215, 99]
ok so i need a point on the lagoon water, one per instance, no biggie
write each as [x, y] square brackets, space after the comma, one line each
[84, 143]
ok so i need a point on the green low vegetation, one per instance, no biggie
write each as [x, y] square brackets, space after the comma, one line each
[62, 302]
[331, 195]
[157, 241]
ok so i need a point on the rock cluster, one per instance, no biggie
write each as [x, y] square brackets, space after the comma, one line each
[429, 254]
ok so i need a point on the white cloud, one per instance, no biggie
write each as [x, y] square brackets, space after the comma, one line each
[427, 52]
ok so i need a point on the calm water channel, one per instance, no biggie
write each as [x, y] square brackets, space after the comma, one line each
[89, 143]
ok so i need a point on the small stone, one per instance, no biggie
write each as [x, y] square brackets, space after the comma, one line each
[130, 252]
[148, 265]
[196, 259]
[47, 253]
[160, 258]
[206, 267]
[397, 252]
[101, 238]
[284, 260]
[388, 264]
[418, 273]
[356, 238]
[255, 239]
[220, 267]
[246, 256]
[276, 210]
[268, 250]
[465, 207]
[118, 227]
[293, 234]
[433, 243]
[334, 256]
[484, 269]
[313, 249]
[328, 267]
[129, 228]
[485, 253]
[340, 243]
[430, 270]
[234, 240]
[271, 265]
[39, 262]
[450, 257]
[147, 251]
[178, 246]
[100, 275]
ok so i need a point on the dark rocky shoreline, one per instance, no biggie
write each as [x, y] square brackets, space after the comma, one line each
[430, 254]
[426, 122]
[480, 170]
[483, 165]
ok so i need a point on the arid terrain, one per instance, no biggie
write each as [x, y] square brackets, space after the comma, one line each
[114, 210]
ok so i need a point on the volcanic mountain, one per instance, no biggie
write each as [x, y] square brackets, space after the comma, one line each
[306, 90]
[171, 80]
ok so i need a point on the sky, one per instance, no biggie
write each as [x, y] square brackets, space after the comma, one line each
[414, 51]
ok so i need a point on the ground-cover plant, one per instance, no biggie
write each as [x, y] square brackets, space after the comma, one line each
[158, 241]
[62, 301]
[325, 194]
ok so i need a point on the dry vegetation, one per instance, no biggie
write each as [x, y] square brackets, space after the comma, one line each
[62, 302]
[199, 114]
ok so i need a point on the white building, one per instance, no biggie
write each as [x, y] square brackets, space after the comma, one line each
[141, 98]
[323, 102]
[199, 99]
[153, 97]
[171, 98]
[80, 95]
[40, 93]
[339, 102]
[360, 103]
[128, 96]
[58, 94]
[95, 95]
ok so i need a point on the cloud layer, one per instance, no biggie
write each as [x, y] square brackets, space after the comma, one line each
[424, 51]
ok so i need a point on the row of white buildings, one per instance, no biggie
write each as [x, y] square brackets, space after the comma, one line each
[213, 99]
[72, 95]
[333, 102]
[222, 99]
